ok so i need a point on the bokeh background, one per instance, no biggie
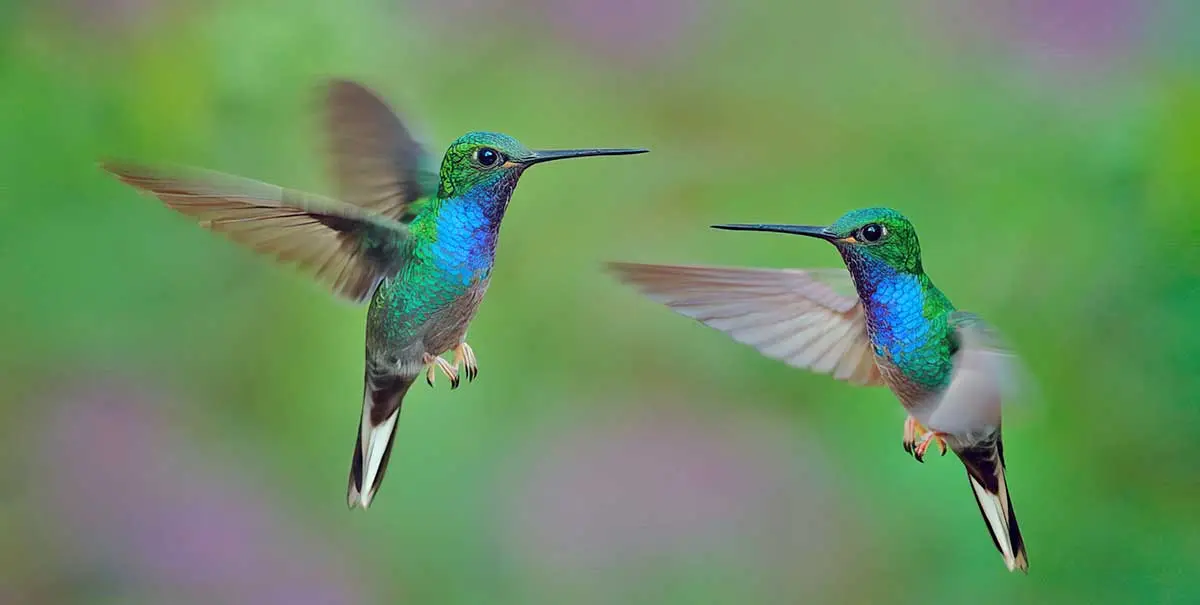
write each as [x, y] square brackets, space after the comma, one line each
[177, 415]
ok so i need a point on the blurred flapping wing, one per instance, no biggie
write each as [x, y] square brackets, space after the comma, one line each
[377, 163]
[986, 374]
[345, 247]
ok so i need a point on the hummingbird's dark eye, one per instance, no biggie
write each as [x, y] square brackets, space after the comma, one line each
[487, 157]
[872, 232]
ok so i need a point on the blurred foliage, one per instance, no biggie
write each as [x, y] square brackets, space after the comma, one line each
[611, 451]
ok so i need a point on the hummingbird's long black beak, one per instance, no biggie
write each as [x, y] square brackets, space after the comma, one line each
[805, 230]
[549, 155]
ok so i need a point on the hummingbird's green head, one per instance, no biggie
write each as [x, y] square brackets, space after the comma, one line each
[867, 235]
[490, 162]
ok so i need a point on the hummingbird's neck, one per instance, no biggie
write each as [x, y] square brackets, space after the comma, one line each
[481, 206]
[873, 277]
[904, 309]
[459, 234]
[906, 320]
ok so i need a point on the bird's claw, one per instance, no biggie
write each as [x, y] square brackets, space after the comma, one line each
[918, 446]
[930, 436]
[464, 355]
[434, 363]
[911, 428]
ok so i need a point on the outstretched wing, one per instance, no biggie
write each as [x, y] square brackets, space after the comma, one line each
[377, 162]
[345, 247]
[797, 316]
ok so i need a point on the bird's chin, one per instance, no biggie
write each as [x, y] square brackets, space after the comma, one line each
[850, 255]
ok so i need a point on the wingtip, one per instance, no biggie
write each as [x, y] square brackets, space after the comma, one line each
[334, 85]
[638, 275]
[335, 91]
[125, 171]
[112, 166]
[623, 271]
[616, 266]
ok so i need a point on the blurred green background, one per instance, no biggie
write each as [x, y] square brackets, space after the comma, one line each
[178, 414]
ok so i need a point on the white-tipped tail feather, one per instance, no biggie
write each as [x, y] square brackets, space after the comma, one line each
[376, 434]
[376, 443]
[996, 508]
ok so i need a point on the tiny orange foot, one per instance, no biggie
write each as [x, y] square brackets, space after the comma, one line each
[930, 436]
[916, 447]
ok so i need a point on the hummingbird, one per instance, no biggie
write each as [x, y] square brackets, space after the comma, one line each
[879, 322]
[417, 241]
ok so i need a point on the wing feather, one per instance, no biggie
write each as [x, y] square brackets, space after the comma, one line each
[986, 374]
[796, 316]
[377, 163]
[343, 246]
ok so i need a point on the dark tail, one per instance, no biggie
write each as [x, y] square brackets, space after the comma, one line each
[382, 397]
[985, 470]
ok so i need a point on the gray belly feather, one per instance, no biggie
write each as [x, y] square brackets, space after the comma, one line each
[440, 331]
